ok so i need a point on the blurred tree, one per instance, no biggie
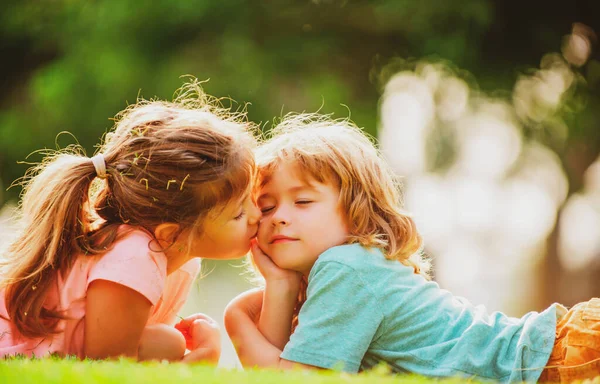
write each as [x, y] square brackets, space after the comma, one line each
[72, 65]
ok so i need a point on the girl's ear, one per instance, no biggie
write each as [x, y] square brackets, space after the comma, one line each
[167, 233]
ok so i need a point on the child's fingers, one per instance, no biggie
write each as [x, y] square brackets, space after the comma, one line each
[206, 327]
[186, 327]
[186, 322]
[205, 333]
[257, 253]
[263, 262]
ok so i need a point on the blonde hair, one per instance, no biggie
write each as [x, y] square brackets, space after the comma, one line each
[165, 162]
[338, 152]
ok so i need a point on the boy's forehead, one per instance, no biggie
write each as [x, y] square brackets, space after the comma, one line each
[291, 172]
[289, 182]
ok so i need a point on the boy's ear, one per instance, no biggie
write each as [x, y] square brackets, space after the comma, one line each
[167, 232]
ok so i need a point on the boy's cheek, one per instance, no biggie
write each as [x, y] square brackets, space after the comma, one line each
[262, 228]
[262, 239]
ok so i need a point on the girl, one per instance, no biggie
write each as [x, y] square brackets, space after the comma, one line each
[332, 218]
[110, 245]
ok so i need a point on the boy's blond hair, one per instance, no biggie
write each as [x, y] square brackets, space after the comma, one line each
[338, 152]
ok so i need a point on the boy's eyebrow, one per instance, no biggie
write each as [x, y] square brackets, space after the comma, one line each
[291, 190]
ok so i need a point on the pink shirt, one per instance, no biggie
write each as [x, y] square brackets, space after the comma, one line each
[131, 263]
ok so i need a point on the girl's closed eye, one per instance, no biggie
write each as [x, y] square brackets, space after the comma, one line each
[267, 208]
[304, 201]
[238, 217]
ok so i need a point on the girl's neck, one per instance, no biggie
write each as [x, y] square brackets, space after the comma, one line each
[175, 261]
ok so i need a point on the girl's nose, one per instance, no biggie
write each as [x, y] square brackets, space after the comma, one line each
[254, 214]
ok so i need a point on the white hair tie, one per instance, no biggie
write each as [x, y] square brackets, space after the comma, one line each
[99, 165]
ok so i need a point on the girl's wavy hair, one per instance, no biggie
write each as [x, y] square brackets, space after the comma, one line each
[338, 153]
[165, 162]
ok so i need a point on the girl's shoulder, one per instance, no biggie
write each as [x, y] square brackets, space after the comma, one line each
[133, 260]
[134, 246]
[134, 235]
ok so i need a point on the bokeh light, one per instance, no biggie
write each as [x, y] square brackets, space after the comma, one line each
[579, 241]
[486, 212]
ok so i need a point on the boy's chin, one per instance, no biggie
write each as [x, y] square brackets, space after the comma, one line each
[283, 265]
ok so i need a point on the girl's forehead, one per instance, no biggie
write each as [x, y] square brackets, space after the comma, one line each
[232, 205]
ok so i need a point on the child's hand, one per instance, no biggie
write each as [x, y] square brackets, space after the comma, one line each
[161, 342]
[202, 336]
[186, 332]
[270, 271]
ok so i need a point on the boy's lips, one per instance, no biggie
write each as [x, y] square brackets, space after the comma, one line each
[281, 239]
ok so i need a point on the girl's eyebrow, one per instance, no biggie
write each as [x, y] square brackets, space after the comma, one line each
[243, 198]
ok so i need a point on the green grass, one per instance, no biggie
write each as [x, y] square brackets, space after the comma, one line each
[106, 372]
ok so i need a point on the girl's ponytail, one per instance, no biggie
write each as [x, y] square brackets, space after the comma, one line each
[53, 232]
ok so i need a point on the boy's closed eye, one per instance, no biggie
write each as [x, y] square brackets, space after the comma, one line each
[268, 208]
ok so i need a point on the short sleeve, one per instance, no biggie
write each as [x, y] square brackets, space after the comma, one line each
[177, 289]
[337, 322]
[131, 263]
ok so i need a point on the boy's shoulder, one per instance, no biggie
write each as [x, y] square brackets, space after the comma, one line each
[352, 255]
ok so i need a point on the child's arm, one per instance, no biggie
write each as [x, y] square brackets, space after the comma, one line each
[161, 342]
[198, 333]
[115, 325]
[278, 301]
[259, 321]
[115, 320]
[241, 322]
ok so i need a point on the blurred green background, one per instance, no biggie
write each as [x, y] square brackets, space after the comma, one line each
[71, 65]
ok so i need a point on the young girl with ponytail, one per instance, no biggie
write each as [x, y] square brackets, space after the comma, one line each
[109, 246]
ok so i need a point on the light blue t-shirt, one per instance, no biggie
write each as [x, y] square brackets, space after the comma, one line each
[363, 309]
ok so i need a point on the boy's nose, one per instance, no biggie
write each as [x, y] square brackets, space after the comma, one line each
[280, 218]
[281, 222]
